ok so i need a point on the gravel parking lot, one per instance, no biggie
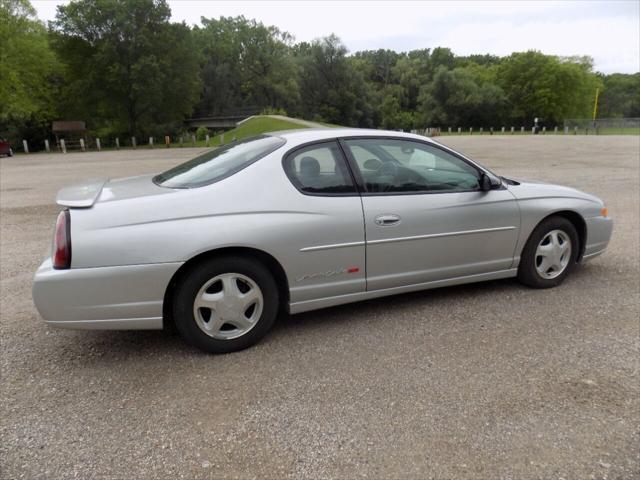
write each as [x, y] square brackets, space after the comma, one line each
[488, 380]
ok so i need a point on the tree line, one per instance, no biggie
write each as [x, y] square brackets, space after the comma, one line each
[126, 69]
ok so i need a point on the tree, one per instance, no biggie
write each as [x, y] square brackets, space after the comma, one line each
[27, 66]
[334, 90]
[456, 98]
[245, 63]
[127, 66]
[545, 86]
[620, 96]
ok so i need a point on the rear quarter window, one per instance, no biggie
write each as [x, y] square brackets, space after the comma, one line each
[215, 165]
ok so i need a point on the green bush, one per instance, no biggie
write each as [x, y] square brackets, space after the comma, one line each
[274, 111]
[201, 133]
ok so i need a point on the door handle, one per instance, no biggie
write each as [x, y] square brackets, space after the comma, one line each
[387, 220]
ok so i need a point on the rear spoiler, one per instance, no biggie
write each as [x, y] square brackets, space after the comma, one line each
[81, 195]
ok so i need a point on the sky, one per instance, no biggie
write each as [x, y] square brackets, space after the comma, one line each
[607, 31]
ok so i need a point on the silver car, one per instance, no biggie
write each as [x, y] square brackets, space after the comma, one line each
[300, 220]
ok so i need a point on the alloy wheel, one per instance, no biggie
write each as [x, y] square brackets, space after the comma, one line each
[553, 254]
[228, 306]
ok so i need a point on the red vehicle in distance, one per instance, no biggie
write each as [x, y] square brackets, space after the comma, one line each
[5, 148]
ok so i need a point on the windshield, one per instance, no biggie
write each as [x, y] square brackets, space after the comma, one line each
[220, 163]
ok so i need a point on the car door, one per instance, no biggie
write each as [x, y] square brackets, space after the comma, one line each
[324, 249]
[426, 218]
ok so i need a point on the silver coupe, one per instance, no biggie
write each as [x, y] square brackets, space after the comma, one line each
[300, 220]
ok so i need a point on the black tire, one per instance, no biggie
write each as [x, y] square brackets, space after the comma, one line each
[195, 279]
[527, 271]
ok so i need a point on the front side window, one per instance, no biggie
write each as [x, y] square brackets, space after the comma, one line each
[319, 169]
[220, 163]
[392, 165]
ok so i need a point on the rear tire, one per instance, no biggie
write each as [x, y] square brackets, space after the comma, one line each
[550, 253]
[225, 304]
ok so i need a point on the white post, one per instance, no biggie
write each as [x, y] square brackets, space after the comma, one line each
[181, 141]
[82, 144]
[502, 129]
[193, 140]
[481, 129]
[46, 145]
[222, 138]
[555, 130]
[133, 142]
[521, 129]
[206, 140]
[151, 142]
[459, 129]
[512, 130]
[25, 145]
[566, 130]
[63, 146]
[575, 130]
[544, 130]
[533, 130]
[98, 146]
[470, 130]
[117, 143]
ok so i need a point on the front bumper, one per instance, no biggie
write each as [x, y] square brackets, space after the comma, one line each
[599, 230]
[103, 298]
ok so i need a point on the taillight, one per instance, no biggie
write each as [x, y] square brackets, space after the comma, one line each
[62, 241]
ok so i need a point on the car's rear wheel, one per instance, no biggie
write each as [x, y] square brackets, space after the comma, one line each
[225, 304]
[550, 253]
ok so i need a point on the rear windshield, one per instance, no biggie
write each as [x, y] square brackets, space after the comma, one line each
[220, 163]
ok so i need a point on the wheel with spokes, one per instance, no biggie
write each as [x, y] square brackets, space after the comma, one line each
[550, 253]
[225, 304]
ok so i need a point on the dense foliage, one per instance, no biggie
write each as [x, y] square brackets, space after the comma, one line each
[126, 69]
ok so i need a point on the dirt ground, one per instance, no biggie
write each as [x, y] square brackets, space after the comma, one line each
[485, 381]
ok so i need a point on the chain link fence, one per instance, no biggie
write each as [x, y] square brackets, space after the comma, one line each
[605, 125]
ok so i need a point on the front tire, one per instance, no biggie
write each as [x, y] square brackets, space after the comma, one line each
[225, 304]
[550, 253]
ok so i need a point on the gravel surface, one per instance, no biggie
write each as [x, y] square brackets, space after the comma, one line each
[490, 380]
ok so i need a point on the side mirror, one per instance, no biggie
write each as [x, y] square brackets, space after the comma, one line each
[488, 183]
[485, 182]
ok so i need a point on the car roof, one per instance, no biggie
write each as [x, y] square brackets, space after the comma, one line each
[304, 135]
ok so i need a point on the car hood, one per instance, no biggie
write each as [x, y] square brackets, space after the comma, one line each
[525, 190]
[86, 194]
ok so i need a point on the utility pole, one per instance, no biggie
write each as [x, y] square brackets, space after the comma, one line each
[595, 107]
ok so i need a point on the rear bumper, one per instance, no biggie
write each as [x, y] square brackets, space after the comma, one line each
[104, 298]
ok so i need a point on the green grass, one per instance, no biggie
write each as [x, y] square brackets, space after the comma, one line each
[619, 131]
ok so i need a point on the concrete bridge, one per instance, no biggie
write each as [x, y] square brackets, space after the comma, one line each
[215, 122]
[227, 119]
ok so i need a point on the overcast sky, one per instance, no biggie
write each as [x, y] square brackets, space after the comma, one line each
[608, 31]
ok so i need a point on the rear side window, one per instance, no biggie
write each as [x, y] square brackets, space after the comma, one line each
[220, 163]
[319, 169]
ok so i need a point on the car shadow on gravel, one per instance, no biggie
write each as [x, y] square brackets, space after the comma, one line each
[394, 304]
[115, 346]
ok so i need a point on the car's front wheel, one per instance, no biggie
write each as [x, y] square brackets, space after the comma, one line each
[225, 304]
[550, 253]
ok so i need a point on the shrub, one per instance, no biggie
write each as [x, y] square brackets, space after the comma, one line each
[201, 133]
